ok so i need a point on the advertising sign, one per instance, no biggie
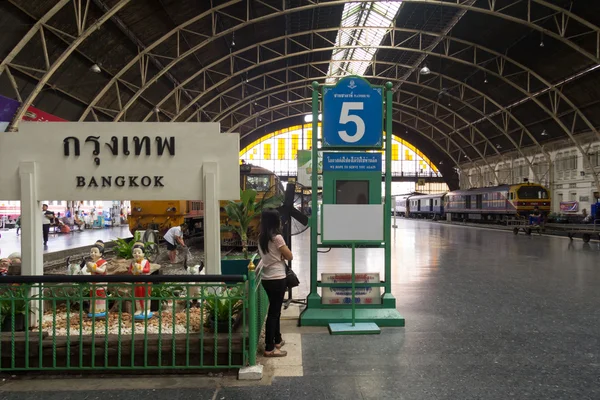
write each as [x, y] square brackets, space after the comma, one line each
[352, 162]
[305, 168]
[343, 295]
[569, 206]
[8, 108]
[352, 114]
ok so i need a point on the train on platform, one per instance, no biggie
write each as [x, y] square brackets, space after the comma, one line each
[492, 204]
[162, 215]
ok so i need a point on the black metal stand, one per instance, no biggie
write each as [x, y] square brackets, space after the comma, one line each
[287, 235]
[287, 212]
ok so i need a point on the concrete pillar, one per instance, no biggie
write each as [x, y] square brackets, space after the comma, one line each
[212, 221]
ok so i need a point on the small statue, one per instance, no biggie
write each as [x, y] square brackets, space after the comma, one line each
[4, 265]
[141, 266]
[97, 266]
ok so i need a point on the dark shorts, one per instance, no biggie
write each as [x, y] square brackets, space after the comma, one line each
[171, 246]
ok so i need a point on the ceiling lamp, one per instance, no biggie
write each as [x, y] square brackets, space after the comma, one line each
[498, 146]
[425, 70]
[95, 68]
[544, 133]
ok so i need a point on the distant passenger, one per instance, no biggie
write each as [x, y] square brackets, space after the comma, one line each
[47, 218]
[172, 236]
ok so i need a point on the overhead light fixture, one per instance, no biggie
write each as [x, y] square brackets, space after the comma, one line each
[441, 162]
[542, 40]
[156, 109]
[485, 78]
[544, 133]
[95, 68]
[498, 146]
[425, 70]
[233, 40]
[542, 43]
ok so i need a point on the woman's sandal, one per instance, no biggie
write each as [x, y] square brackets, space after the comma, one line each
[280, 344]
[275, 353]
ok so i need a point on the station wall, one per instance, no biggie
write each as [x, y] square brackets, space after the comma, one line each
[562, 170]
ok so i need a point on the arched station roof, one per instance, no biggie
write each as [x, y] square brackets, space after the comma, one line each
[505, 76]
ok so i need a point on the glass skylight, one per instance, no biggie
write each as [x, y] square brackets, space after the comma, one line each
[368, 16]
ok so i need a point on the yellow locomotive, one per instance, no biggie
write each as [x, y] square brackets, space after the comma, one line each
[162, 215]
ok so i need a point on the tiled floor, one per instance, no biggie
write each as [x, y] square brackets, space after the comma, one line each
[489, 315]
[10, 242]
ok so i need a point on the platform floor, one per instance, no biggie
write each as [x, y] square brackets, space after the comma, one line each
[489, 315]
[10, 242]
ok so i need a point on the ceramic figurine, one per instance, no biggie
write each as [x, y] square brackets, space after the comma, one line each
[4, 264]
[141, 266]
[97, 266]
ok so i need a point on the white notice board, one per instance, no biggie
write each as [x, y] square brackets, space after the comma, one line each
[120, 161]
[352, 223]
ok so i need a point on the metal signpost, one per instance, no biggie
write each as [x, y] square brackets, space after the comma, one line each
[352, 140]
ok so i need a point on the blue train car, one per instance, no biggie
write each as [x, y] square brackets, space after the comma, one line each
[425, 206]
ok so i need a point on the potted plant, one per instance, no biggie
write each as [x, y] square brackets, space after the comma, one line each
[223, 307]
[15, 305]
[165, 294]
[124, 247]
[242, 216]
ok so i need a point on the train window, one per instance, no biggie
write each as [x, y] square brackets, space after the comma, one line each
[260, 183]
[532, 192]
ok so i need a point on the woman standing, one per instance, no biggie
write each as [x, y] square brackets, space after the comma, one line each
[273, 253]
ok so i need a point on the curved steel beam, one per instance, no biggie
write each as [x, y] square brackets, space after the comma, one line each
[60, 60]
[500, 65]
[304, 83]
[309, 102]
[483, 51]
[31, 33]
[241, 103]
[303, 101]
[499, 75]
[283, 11]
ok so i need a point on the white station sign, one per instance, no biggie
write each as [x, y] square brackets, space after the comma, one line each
[120, 161]
[343, 295]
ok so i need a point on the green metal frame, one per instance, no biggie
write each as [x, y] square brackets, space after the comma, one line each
[385, 314]
[115, 345]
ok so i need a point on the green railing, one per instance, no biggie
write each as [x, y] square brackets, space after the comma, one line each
[198, 322]
[258, 305]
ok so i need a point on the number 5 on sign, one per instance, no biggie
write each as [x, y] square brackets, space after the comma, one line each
[353, 115]
[346, 117]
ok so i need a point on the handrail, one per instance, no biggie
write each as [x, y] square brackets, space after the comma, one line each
[119, 278]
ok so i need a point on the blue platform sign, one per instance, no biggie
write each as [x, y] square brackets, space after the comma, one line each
[352, 114]
[352, 162]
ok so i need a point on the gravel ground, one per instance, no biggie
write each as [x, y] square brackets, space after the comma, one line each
[125, 324]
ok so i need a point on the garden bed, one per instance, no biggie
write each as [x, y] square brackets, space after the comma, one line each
[160, 323]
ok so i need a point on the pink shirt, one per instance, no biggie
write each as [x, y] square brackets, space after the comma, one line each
[272, 264]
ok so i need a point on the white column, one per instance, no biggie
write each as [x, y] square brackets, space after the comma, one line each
[212, 221]
[31, 222]
[32, 261]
